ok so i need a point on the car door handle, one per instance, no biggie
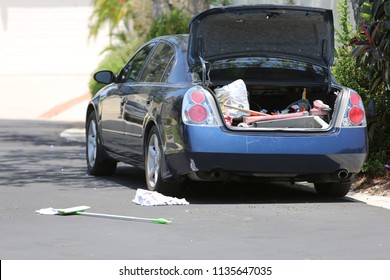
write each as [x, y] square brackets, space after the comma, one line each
[149, 99]
[126, 90]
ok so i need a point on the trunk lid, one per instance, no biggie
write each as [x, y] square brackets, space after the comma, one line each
[294, 32]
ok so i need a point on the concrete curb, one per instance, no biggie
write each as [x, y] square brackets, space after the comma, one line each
[374, 200]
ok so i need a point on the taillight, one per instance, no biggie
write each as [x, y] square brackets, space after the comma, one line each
[199, 108]
[197, 97]
[355, 111]
[356, 115]
[197, 113]
[354, 99]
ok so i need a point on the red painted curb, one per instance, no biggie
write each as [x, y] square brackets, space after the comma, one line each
[64, 106]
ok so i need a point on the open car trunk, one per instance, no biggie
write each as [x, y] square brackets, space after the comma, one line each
[273, 93]
[272, 59]
[282, 108]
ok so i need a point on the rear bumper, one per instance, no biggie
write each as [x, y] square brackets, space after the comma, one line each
[254, 153]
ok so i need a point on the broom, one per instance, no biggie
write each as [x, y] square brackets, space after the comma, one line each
[79, 210]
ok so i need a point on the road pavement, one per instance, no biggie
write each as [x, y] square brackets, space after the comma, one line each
[40, 169]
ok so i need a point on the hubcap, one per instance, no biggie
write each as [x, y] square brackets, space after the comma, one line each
[92, 143]
[153, 162]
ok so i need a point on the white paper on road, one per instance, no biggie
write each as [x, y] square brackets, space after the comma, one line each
[47, 211]
[151, 198]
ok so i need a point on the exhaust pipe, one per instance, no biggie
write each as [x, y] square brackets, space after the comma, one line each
[343, 174]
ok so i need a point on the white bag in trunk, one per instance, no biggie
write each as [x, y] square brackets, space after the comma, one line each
[234, 94]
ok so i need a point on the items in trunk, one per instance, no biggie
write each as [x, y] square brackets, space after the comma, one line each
[234, 102]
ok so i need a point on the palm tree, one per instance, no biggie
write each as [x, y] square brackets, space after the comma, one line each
[129, 16]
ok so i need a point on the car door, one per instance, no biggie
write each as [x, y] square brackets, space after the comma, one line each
[113, 125]
[152, 83]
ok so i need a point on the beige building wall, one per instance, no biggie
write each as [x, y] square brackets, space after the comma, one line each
[47, 37]
[46, 58]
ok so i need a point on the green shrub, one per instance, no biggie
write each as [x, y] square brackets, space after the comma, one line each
[374, 165]
[348, 73]
[174, 22]
[345, 69]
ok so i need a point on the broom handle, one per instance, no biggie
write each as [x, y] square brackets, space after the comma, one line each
[245, 110]
[119, 217]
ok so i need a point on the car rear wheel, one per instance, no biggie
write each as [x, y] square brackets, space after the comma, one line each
[334, 189]
[99, 164]
[153, 158]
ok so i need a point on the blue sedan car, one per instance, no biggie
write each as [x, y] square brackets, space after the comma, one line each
[248, 93]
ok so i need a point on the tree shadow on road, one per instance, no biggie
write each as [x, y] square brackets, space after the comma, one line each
[233, 192]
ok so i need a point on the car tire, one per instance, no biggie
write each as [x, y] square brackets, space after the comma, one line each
[99, 164]
[334, 189]
[153, 161]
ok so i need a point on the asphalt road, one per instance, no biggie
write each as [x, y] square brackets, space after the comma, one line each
[40, 169]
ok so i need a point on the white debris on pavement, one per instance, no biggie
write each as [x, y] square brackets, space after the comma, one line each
[74, 134]
[151, 198]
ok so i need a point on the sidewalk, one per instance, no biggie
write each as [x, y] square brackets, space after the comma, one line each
[57, 98]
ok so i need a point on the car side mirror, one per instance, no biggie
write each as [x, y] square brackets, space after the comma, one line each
[104, 77]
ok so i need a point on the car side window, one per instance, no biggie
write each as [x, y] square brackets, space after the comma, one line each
[159, 64]
[132, 69]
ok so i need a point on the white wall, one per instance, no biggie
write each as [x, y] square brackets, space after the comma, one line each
[47, 37]
[46, 58]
